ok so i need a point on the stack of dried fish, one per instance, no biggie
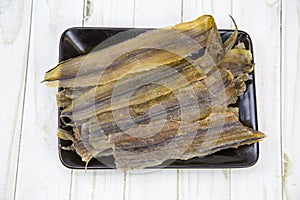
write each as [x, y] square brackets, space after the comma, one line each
[162, 95]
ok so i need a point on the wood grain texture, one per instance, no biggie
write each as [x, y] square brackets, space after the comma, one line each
[220, 11]
[113, 184]
[40, 174]
[264, 179]
[154, 184]
[14, 37]
[206, 184]
[157, 13]
[291, 99]
[103, 184]
[114, 13]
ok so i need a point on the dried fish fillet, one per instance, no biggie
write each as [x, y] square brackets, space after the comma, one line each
[141, 92]
[62, 99]
[82, 147]
[65, 97]
[164, 94]
[207, 95]
[174, 39]
[96, 68]
[219, 131]
[191, 73]
[238, 60]
[127, 84]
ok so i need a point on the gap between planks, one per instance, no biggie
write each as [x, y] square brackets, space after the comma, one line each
[281, 101]
[23, 98]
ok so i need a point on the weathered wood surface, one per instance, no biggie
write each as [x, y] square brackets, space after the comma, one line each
[39, 174]
[290, 86]
[15, 24]
[29, 38]
[264, 27]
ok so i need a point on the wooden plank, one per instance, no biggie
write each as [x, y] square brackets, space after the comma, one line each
[40, 173]
[263, 179]
[206, 184]
[291, 99]
[154, 184]
[14, 36]
[219, 10]
[113, 13]
[103, 184]
[157, 13]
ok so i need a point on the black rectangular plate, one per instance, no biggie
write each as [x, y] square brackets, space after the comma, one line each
[78, 41]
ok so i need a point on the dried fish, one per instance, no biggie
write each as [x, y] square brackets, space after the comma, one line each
[100, 100]
[62, 99]
[164, 94]
[127, 84]
[66, 96]
[81, 146]
[238, 60]
[140, 92]
[182, 39]
[77, 145]
[135, 55]
[207, 95]
[219, 131]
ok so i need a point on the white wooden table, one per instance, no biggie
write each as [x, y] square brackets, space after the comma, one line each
[29, 163]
